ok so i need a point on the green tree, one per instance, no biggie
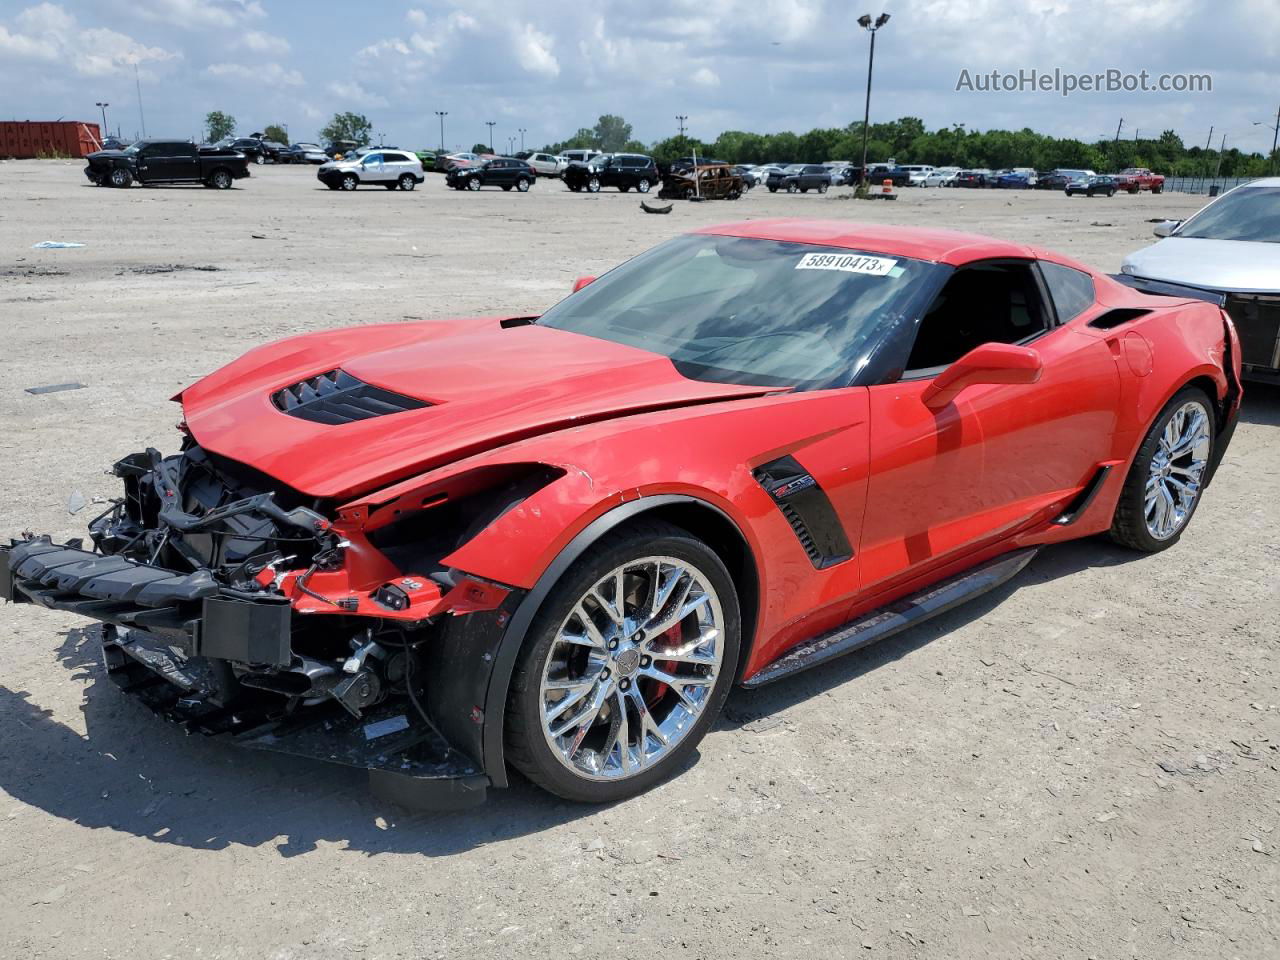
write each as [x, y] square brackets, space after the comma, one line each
[219, 125]
[348, 126]
[611, 133]
[275, 131]
[480, 148]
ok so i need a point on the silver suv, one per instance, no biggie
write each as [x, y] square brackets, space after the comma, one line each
[393, 169]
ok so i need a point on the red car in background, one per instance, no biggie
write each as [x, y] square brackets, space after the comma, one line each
[436, 549]
[1134, 179]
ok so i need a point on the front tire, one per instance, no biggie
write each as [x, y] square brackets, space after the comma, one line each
[220, 180]
[793, 188]
[626, 666]
[593, 185]
[349, 182]
[1166, 480]
[259, 159]
[120, 177]
[642, 186]
[473, 183]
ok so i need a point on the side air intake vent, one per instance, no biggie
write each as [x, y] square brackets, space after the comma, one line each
[1115, 318]
[807, 509]
[337, 397]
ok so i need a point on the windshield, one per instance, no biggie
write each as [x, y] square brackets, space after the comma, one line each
[1247, 213]
[133, 149]
[749, 311]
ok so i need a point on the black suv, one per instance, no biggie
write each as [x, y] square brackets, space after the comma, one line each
[504, 172]
[621, 170]
[799, 178]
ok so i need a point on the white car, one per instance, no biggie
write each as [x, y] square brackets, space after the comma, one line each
[579, 156]
[545, 164]
[941, 176]
[393, 169]
[918, 172]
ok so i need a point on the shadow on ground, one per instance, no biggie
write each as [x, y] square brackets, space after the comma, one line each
[134, 773]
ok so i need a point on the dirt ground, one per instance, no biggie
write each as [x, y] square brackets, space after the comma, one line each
[1082, 764]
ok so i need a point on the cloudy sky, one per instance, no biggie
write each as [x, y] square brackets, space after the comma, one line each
[762, 65]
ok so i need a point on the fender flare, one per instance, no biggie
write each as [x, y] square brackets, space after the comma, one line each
[495, 705]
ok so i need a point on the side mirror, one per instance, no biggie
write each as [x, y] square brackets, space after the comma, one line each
[582, 282]
[986, 363]
[1166, 229]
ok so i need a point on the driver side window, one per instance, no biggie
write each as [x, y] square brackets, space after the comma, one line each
[982, 303]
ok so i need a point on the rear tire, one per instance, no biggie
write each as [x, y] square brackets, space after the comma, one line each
[407, 182]
[530, 725]
[1166, 480]
[523, 185]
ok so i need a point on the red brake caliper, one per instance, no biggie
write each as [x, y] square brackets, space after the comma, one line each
[670, 638]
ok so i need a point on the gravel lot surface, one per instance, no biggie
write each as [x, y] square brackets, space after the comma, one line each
[1082, 764]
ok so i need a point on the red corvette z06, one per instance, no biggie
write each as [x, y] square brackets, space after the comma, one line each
[441, 549]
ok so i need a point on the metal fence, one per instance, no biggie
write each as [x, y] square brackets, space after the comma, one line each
[1202, 185]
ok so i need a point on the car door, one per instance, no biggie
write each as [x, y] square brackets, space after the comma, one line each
[184, 162]
[953, 479]
[372, 168]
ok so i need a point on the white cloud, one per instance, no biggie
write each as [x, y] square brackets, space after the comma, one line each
[383, 48]
[417, 17]
[260, 42]
[48, 33]
[533, 51]
[271, 73]
[197, 14]
[355, 95]
[705, 77]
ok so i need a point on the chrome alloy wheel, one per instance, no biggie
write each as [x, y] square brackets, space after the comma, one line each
[632, 668]
[1177, 468]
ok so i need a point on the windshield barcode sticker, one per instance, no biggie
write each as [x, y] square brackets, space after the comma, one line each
[847, 263]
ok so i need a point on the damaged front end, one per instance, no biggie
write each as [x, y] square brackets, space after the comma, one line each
[236, 606]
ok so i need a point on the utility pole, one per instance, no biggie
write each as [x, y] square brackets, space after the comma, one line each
[138, 84]
[491, 124]
[1275, 137]
[864, 21]
[102, 105]
[1221, 150]
[680, 119]
[442, 114]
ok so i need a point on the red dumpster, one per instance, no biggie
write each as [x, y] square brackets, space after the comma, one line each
[24, 139]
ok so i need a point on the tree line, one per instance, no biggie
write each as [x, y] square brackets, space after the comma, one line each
[906, 140]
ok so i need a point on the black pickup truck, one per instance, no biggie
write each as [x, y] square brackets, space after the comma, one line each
[166, 161]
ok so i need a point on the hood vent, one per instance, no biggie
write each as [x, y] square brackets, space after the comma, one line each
[337, 397]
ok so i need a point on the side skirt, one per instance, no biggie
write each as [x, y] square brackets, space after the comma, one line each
[896, 617]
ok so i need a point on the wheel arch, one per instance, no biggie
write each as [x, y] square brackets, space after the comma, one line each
[699, 517]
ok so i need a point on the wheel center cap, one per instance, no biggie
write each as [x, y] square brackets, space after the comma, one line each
[627, 662]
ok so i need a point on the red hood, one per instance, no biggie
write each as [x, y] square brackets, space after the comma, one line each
[487, 386]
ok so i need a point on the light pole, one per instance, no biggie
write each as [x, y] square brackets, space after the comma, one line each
[865, 23]
[491, 124]
[680, 119]
[442, 114]
[1275, 136]
[523, 131]
[102, 105]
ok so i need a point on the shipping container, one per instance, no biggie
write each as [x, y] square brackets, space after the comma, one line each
[24, 139]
